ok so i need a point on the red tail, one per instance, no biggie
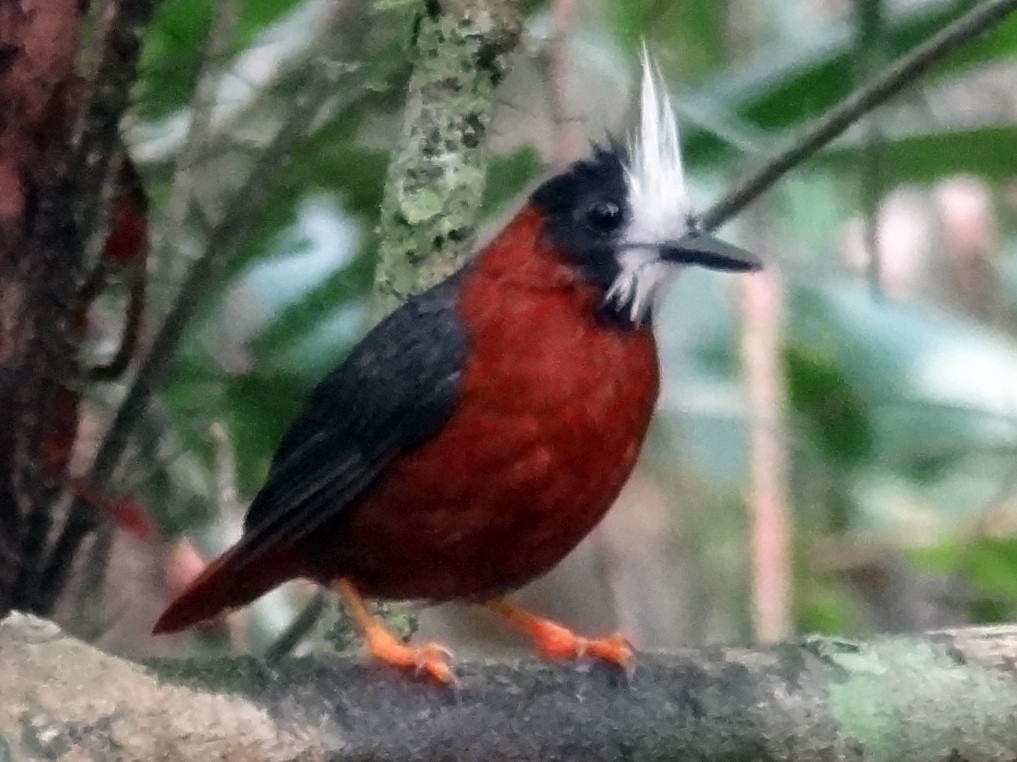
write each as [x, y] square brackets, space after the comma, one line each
[224, 584]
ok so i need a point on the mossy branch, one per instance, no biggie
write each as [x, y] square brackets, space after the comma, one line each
[941, 696]
[437, 173]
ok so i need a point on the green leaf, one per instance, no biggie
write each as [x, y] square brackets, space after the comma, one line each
[991, 565]
[828, 608]
[929, 155]
[171, 56]
[687, 40]
[258, 408]
[783, 89]
[175, 45]
[508, 176]
[836, 416]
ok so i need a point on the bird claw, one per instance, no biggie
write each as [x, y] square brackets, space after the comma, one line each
[428, 659]
[614, 649]
[434, 661]
[558, 643]
[561, 644]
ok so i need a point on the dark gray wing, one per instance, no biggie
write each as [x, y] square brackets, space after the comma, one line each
[393, 392]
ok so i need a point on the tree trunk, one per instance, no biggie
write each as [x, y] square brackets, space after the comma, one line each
[58, 143]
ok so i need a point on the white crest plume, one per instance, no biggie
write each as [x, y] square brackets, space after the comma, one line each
[655, 177]
[657, 196]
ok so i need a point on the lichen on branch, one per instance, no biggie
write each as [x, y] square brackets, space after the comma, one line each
[933, 697]
[437, 173]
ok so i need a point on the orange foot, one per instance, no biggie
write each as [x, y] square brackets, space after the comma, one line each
[558, 643]
[429, 659]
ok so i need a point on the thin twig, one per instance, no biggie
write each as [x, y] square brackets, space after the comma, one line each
[225, 470]
[871, 54]
[770, 547]
[230, 513]
[566, 137]
[891, 81]
[188, 163]
[223, 242]
[98, 132]
[298, 629]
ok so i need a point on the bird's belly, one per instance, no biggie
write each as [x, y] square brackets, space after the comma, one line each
[519, 475]
[490, 521]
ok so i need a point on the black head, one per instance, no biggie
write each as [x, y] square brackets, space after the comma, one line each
[587, 209]
[623, 215]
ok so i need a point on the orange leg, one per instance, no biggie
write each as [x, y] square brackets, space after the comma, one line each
[429, 658]
[556, 642]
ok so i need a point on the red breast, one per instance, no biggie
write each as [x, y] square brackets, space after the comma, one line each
[553, 407]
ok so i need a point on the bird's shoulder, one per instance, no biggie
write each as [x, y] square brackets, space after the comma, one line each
[393, 391]
[397, 365]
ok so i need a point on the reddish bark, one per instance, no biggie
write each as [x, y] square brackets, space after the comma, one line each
[57, 136]
[38, 40]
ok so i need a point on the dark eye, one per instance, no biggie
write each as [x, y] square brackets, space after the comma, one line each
[604, 216]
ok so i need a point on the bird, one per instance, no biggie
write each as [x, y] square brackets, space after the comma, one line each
[483, 428]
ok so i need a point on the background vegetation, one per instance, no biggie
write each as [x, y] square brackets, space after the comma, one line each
[836, 445]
